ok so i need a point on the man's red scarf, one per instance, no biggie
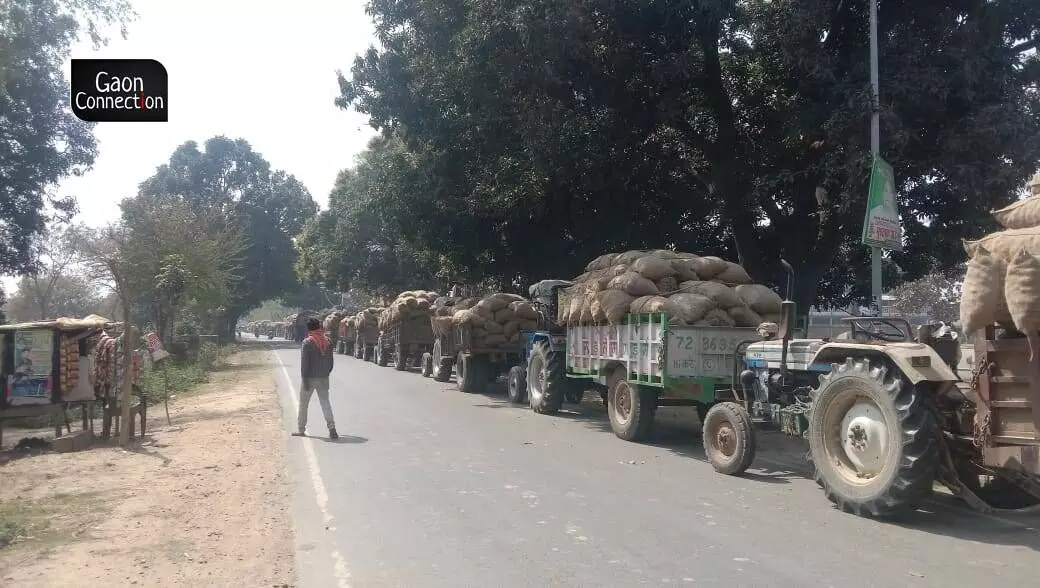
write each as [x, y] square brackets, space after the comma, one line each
[320, 340]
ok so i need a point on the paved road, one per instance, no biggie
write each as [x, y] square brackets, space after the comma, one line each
[433, 487]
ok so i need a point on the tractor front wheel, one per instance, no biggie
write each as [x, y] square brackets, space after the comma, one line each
[517, 388]
[729, 438]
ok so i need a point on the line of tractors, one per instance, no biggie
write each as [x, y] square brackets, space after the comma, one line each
[883, 410]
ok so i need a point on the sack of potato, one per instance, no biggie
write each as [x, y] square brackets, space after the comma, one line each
[495, 321]
[367, 321]
[444, 308]
[692, 290]
[409, 304]
[1002, 284]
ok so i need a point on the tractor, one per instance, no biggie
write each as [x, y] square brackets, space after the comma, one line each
[886, 415]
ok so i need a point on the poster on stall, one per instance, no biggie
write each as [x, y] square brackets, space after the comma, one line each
[32, 378]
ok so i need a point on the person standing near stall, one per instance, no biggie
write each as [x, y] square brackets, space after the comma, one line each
[315, 367]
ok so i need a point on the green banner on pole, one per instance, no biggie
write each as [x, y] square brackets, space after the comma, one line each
[881, 226]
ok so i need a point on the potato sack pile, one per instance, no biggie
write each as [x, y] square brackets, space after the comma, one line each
[407, 305]
[690, 289]
[495, 320]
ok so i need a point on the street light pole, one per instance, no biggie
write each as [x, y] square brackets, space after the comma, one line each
[875, 143]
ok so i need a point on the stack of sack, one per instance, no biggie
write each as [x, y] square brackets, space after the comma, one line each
[409, 304]
[444, 309]
[367, 321]
[1002, 284]
[495, 321]
[690, 289]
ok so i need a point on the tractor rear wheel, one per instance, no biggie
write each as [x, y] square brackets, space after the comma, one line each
[873, 439]
[472, 373]
[402, 359]
[546, 379]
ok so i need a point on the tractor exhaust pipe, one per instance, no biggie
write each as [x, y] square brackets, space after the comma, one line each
[788, 317]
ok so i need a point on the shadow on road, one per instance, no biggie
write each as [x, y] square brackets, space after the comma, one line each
[345, 439]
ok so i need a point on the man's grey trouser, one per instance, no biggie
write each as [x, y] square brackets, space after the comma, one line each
[321, 386]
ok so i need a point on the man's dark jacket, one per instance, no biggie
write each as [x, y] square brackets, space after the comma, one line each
[314, 363]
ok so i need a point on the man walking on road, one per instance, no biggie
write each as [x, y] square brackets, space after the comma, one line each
[315, 367]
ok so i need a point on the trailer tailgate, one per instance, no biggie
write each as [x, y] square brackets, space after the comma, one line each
[704, 352]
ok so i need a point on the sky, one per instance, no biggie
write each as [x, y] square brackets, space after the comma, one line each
[263, 71]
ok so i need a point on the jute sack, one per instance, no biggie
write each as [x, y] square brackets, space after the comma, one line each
[602, 262]
[692, 307]
[723, 295]
[653, 268]
[665, 254]
[647, 304]
[633, 284]
[628, 257]
[611, 306]
[523, 310]
[685, 270]
[1005, 244]
[667, 286]
[709, 267]
[759, 298]
[744, 316]
[1024, 214]
[733, 274]
[982, 295]
[716, 317]
[1022, 291]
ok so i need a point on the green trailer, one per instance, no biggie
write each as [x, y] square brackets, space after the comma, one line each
[645, 363]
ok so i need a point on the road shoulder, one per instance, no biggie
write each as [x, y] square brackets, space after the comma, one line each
[201, 501]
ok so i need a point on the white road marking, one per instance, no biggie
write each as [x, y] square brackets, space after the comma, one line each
[339, 565]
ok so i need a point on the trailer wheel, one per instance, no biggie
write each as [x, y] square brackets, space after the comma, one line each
[729, 438]
[427, 365]
[631, 408]
[872, 439]
[517, 388]
[546, 379]
[370, 353]
[471, 372]
[402, 359]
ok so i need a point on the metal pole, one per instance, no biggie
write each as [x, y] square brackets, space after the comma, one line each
[875, 144]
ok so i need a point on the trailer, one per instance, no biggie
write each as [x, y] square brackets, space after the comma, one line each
[475, 367]
[365, 342]
[405, 343]
[347, 336]
[639, 365]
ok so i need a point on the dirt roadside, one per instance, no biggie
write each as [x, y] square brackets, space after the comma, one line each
[200, 502]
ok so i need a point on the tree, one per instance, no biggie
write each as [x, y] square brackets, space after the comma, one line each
[181, 261]
[67, 295]
[543, 133]
[239, 188]
[41, 141]
[936, 295]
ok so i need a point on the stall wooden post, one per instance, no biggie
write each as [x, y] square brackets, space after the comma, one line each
[126, 395]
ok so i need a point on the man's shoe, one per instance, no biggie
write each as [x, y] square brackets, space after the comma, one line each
[300, 434]
[332, 433]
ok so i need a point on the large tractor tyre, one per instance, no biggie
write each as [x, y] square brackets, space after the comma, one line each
[516, 389]
[442, 365]
[472, 373]
[729, 438]
[402, 359]
[631, 409]
[546, 379]
[873, 439]
[426, 367]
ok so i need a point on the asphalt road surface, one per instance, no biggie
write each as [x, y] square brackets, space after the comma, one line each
[433, 487]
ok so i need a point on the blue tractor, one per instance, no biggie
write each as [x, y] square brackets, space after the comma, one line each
[540, 378]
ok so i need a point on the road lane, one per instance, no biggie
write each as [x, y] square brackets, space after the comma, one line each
[433, 487]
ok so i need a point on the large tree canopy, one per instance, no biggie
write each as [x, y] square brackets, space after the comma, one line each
[41, 141]
[236, 191]
[536, 134]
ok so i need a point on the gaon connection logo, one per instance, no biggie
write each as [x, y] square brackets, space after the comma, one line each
[120, 90]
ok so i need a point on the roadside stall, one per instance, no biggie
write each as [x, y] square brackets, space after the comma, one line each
[48, 367]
